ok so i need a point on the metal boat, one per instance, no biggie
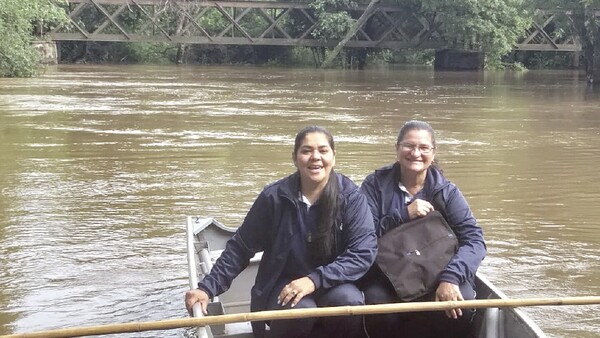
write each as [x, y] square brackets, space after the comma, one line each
[206, 238]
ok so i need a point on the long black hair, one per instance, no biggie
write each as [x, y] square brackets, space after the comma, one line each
[321, 244]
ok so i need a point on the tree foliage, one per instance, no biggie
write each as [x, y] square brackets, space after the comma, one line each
[334, 20]
[490, 26]
[18, 21]
[583, 21]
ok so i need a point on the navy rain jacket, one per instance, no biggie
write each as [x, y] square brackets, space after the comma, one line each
[379, 188]
[271, 225]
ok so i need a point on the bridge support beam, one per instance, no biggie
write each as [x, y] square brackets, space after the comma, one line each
[48, 51]
[452, 59]
[353, 30]
[575, 60]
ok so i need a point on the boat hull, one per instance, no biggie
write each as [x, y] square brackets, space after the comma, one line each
[207, 238]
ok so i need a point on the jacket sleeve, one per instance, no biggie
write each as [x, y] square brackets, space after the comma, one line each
[382, 222]
[360, 246]
[471, 245]
[248, 240]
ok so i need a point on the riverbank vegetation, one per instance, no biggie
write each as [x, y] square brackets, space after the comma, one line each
[582, 21]
[491, 27]
[20, 20]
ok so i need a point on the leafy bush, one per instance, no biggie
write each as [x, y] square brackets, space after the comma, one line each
[333, 22]
[18, 18]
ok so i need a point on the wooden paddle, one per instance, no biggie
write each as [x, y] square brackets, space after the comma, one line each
[303, 313]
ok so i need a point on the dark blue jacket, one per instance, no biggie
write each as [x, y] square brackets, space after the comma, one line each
[271, 225]
[379, 188]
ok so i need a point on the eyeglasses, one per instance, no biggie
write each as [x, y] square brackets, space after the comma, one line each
[423, 148]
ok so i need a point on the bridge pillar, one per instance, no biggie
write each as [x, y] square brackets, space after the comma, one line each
[452, 59]
[48, 51]
[575, 60]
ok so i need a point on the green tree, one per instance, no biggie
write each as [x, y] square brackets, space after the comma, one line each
[334, 20]
[18, 20]
[580, 18]
[587, 25]
[490, 26]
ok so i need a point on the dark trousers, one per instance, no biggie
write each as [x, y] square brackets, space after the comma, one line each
[330, 327]
[434, 324]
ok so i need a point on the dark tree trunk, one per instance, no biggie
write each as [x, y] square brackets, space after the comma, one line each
[356, 58]
[595, 71]
[318, 55]
[588, 60]
[181, 48]
[588, 30]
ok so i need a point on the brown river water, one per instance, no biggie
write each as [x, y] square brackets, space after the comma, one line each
[99, 166]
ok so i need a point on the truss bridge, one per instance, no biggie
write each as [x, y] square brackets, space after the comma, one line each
[275, 23]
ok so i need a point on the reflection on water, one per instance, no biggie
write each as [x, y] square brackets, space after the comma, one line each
[101, 164]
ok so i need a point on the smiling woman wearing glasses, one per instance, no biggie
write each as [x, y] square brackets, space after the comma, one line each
[411, 188]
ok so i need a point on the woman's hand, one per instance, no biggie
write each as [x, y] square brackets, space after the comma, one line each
[194, 296]
[419, 208]
[295, 290]
[449, 292]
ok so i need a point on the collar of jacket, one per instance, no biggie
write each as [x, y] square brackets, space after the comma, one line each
[289, 187]
[434, 181]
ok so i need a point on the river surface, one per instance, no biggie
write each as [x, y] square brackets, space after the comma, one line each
[99, 166]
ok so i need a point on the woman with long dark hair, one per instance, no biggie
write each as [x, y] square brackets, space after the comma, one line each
[317, 234]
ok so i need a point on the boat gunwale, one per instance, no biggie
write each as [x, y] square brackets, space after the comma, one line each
[197, 224]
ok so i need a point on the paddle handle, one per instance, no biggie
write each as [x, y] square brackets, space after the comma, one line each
[304, 313]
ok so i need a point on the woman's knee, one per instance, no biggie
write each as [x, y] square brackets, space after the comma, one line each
[339, 295]
[378, 293]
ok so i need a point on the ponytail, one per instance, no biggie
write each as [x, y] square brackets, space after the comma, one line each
[322, 245]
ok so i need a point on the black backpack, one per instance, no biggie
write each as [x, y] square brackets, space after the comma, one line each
[414, 254]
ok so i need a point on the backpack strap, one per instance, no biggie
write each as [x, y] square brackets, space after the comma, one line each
[439, 205]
